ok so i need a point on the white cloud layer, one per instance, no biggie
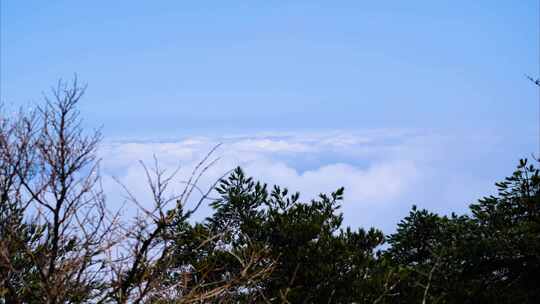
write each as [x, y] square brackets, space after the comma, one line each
[383, 171]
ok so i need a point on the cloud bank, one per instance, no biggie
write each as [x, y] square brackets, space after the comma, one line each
[383, 171]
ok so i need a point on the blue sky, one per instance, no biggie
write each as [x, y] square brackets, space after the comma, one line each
[448, 72]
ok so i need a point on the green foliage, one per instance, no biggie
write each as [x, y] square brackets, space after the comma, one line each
[509, 237]
[20, 242]
[491, 256]
[317, 261]
[488, 256]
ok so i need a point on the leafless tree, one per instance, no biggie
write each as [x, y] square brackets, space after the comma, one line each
[50, 172]
[59, 241]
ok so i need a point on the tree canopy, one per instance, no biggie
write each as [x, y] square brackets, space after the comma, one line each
[61, 243]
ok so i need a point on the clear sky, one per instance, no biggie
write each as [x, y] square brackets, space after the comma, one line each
[155, 67]
[169, 69]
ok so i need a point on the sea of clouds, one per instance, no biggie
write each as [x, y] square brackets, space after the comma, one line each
[384, 172]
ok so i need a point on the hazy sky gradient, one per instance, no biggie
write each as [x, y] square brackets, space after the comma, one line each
[170, 67]
[446, 79]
